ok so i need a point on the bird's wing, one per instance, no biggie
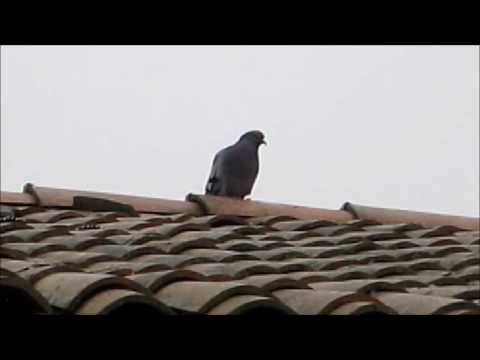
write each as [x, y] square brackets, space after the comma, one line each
[213, 183]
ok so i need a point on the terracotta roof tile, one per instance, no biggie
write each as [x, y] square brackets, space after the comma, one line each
[299, 225]
[164, 262]
[124, 268]
[122, 302]
[250, 304]
[449, 291]
[362, 308]
[272, 282]
[414, 304]
[359, 285]
[156, 280]
[316, 302]
[201, 297]
[67, 291]
[237, 270]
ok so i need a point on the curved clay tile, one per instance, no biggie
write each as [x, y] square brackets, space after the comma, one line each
[250, 305]
[397, 228]
[99, 233]
[244, 268]
[218, 220]
[13, 226]
[123, 268]
[73, 223]
[201, 297]
[443, 230]
[413, 304]
[33, 235]
[172, 229]
[396, 244]
[450, 291]
[125, 252]
[316, 302]
[212, 271]
[21, 211]
[404, 281]
[302, 225]
[288, 235]
[34, 274]
[440, 277]
[311, 241]
[19, 297]
[335, 230]
[16, 266]
[218, 255]
[357, 247]
[344, 274]
[442, 251]
[34, 249]
[122, 302]
[77, 243]
[172, 260]
[343, 239]
[361, 223]
[218, 235]
[380, 270]
[129, 224]
[78, 258]
[272, 282]
[436, 241]
[157, 218]
[459, 261]
[369, 256]
[135, 238]
[407, 254]
[51, 216]
[274, 236]
[277, 254]
[240, 245]
[154, 281]
[269, 220]
[245, 245]
[376, 235]
[308, 276]
[68, 290]
[245, 229]
[420, 264]
[324, 252]
[465, 237]
[363, 308]
[360, 285]
[10, 253]
[178, 246]
[468, 273]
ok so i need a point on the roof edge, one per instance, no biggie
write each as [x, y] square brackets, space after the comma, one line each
[221, 205]
[207, 204]
[426, 219]
[15, 198]
[57, 197]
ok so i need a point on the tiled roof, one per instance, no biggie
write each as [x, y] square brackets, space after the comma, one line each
[61, 255]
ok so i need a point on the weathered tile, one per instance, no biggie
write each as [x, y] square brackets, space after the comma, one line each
[201, 297]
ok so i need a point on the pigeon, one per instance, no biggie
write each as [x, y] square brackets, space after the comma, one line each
[235, 168]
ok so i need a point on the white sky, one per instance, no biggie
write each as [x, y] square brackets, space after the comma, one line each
[390, 126]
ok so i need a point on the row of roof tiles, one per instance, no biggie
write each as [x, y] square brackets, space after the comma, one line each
[94, 262]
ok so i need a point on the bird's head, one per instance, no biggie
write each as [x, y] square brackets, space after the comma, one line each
[255, 137]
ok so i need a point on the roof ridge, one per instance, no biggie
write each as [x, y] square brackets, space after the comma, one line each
[207, 204]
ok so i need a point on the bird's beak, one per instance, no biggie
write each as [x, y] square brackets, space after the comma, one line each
[264, 142]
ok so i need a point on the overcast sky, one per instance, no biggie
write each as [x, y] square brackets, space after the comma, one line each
[389, 126]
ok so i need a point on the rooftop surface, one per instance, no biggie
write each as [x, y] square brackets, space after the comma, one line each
[76, 252]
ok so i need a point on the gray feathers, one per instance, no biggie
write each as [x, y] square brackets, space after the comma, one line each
[235, 168]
